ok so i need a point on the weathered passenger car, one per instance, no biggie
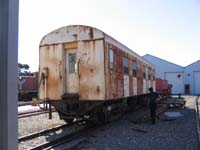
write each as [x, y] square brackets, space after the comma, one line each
[85, 73]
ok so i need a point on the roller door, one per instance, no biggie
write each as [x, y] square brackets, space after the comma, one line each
[197, 82]
[177, 83]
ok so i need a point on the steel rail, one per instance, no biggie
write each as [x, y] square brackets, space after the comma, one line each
[65, 139]
[42, 132]
[33, 113]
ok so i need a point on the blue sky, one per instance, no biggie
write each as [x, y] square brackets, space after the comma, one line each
[169, 29]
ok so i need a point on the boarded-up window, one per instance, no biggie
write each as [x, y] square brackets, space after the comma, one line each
[111, 54]
[144, 72]
[72, 62]
[125, 65]
[134, 68]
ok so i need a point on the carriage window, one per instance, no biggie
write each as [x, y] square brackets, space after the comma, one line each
[153, 74]
[111, 58]
[72, 63]
[149, 73]
[134, 68]
[144, 72]
[125, 65]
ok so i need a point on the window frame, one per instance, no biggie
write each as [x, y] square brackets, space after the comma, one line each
[149, 73]
[71, 71]
[134, 68]
[125, 66]
[111, 59]
[144, 71]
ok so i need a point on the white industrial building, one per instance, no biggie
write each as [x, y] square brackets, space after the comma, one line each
[184, 80]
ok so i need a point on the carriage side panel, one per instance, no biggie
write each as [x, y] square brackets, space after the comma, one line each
[91, 70]
[114, 74]
[51, 58]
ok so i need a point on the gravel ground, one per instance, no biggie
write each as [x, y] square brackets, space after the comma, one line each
[179, 134]
[37, 123]
[49, 137]
[40, 122]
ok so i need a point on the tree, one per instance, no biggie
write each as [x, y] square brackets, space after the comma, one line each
[23, 70]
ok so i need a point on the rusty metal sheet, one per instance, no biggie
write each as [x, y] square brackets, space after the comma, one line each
[106, 71]
[134, 86]
[126, 86]
[114, 78]
[71, 45]
[130, 75]
[119, 73]
[71, 33]
[51, 57]
[126, 51]
[95, 80]
[131, 86]
[144, 86]
[91, 70]
[140, 79]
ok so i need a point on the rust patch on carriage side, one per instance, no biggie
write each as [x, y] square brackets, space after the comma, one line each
[91, 70]
[71, 45]
[119, 73]
[131, 85]
[114, 76]
[106, 69]
[140, 78]
[130, 75]
[51, 58]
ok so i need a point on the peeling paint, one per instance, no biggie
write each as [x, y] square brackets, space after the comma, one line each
[95, 78]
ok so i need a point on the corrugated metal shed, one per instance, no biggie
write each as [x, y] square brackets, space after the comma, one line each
[184, 80]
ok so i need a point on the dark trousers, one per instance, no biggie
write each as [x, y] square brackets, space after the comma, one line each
[153, 107]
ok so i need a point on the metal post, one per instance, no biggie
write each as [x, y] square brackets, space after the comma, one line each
[8, 74]
[179, 85]
[45, 92]
[50, 111]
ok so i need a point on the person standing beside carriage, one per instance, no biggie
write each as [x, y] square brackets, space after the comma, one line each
[153, 104]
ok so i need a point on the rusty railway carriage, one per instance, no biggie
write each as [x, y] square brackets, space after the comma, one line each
[87, 74]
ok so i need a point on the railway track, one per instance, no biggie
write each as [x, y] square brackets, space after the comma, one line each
[24, 103]
[64, 140]
[33, 113]
[43, 132]
[67, 139]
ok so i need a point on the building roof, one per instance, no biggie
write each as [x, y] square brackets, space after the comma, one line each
[198, 61]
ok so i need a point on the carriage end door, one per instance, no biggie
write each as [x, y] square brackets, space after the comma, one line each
[71, 71]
